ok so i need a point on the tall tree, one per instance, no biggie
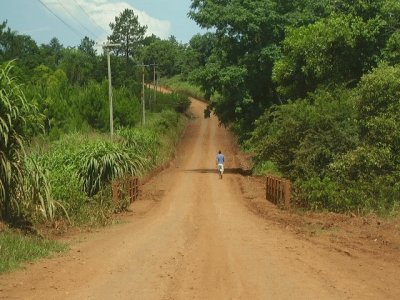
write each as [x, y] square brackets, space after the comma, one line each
[87, 46]
[52, 53]
[127, 32]
[16, 46]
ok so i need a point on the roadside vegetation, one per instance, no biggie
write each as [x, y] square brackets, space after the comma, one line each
[16, 249]
[181, 86]
[57, 159]
[69, 177]
[312, 89]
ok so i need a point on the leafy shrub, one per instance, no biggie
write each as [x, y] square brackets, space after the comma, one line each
[341, 149]
[102, 161]
[164, 121]
[80, 167]
[180, 86]
[334, 50]
[176, 101]
[371, 171]
[303, 137]
[144, 141]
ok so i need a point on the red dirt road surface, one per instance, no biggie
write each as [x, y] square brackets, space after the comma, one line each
[194, 236]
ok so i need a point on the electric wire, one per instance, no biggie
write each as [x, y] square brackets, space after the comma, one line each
[77, 20]
[85, 12]
[65, 23]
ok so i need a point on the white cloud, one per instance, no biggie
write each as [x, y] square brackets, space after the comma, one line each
[102, 13]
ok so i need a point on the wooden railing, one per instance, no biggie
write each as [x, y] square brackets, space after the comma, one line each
[125, 187]
[278, 191]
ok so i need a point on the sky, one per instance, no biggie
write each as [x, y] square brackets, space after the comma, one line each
[71, 20]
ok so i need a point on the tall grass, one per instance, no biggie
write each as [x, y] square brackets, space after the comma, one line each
[15, 111]
[102, 161]
[15, 249]
[144, 141]
[38, 196]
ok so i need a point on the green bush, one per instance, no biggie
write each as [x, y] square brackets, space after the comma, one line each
[371, 171]
[303, 137]
[341, 149]
[176, 101]
[144, 141]
[80, 167]
[180, 86]
[101, 161]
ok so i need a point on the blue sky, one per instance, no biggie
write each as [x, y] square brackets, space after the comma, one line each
[91, 18]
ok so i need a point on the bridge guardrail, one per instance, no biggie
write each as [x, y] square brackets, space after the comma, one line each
[125, 187]
[278, 190]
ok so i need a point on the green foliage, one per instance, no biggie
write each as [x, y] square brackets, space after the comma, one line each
[180, 86]
[38, 204]
[15, 249]
[100, 162]
[15, 111]
[175, 101]
[127, 32]
[266, 168]
[378, 106]
[391, 53]
[237, 71]
[340, 149]
[165, 54]
[79, 65]
[145, 142]
[371, 170]
[303, 137]
[65, 91]
[80, 167]
[327, 52]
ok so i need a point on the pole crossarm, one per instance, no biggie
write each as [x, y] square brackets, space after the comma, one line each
[106, 45]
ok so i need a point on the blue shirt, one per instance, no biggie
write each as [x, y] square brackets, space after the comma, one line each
[220, 158]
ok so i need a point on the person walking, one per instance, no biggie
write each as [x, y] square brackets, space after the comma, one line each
[220, 160]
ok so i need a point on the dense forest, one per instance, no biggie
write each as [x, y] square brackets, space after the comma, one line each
[311, 88]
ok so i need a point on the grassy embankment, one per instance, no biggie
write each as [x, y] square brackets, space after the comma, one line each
[177, 84]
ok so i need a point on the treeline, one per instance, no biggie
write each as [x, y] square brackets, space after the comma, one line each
[69, 84]
[313, 88]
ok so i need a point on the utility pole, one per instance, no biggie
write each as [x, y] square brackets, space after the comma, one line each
[142, 95]
[106, 46]
[143, 104]
[154, 82]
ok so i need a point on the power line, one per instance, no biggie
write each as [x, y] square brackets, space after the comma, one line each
[65, 23]
[84, 11]
[76, 19]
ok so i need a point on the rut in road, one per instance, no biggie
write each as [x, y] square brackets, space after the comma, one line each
[192, 237]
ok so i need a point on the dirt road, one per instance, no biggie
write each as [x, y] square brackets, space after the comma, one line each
[192, 236]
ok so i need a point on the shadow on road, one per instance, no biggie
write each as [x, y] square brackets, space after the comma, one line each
[226, 171]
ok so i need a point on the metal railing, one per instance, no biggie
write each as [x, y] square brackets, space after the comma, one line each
[278, 191]
[125, 187]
